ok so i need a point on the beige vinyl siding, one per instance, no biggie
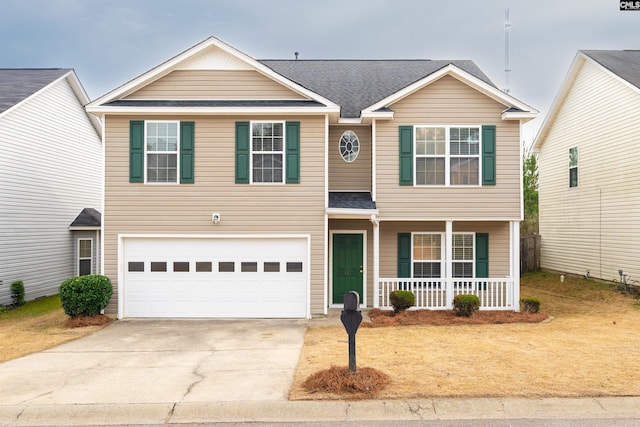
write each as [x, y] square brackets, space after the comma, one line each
[498, 242]
[354, 176]
[594, 227]
[50, 169]
[245, 209]
[214, 84]
[448, 102]
[338, 225]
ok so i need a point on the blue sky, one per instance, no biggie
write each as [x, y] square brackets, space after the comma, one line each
[109, 42]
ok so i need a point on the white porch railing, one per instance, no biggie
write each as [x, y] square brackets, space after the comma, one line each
[437, 294]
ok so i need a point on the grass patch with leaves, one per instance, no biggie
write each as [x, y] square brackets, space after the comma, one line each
[36, 326]
[590, 348]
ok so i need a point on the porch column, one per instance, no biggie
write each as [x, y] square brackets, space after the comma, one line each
[515, 262]
[376, 261]
[448, 268]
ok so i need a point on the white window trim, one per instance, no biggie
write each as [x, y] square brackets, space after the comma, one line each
[447, 156]
[177, 152]
[79, 258]
[473, 254]
[574, 167]
[443, 253]
[357, 153]
[283, 152]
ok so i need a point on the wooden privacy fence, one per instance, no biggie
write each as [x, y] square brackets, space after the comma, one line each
[530, 253]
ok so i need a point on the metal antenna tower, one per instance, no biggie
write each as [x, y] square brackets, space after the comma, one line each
[507, 26]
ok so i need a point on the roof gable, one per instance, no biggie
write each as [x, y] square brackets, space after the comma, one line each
[623, 65]
[207, 55]
[18, 84]
[357, 89]
[358, 84]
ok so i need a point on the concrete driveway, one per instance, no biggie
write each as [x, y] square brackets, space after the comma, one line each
[161, 362]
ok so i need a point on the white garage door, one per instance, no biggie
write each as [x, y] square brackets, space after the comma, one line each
[215, 277]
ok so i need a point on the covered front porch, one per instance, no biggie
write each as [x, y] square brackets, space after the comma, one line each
[436, 260]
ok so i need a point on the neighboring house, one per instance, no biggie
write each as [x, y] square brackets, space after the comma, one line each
[243, 188]
[589, 151]
[50, 169]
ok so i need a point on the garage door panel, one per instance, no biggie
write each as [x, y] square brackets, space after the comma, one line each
[215, 277]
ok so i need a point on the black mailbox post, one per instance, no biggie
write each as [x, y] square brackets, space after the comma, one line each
[351, 318]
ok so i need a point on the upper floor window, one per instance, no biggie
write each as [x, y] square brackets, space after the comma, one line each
[349, 146]
[267, 152]
[573, 167]
[161, 151]
[447, 155]
[162, 147]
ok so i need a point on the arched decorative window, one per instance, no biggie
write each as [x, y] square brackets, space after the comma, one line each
[349, 146]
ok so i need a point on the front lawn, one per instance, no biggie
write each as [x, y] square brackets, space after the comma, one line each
[36, 326]
[590, 347]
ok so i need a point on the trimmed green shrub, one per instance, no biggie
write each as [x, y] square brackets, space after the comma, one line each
[465, 304]
[85, 295]
[17, 293]
[401, 300]
[530, 305]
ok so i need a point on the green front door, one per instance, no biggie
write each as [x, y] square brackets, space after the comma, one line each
[347, 266]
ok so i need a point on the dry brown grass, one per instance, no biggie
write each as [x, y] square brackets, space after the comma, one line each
[26, 335]
[591, 347]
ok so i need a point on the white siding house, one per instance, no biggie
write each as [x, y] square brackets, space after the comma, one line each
[589, 148]
[50, 170]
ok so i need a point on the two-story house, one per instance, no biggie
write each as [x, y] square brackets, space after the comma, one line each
[237, 187]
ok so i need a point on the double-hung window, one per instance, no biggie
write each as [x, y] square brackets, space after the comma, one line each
[427, 255]
[267, 152]
[162, 148]
[463, 253]
[447, 155]
[573, 167]
[85, 256]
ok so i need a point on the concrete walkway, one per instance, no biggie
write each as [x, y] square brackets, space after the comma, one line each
[206, 371]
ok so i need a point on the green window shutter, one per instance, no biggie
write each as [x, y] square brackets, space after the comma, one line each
[404, 254]
[489, 155]
[136, 151]
[243, 133]
[293, 153]
[406, 155]
[187, 142]
[482, 255]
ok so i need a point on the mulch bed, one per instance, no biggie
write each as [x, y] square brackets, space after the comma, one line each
[81, 321]
[365, 383]
[447, 317]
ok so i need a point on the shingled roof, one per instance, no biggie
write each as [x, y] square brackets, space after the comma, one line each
[358, 84]
[88, 218]
[624, 63]
[17, 84]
